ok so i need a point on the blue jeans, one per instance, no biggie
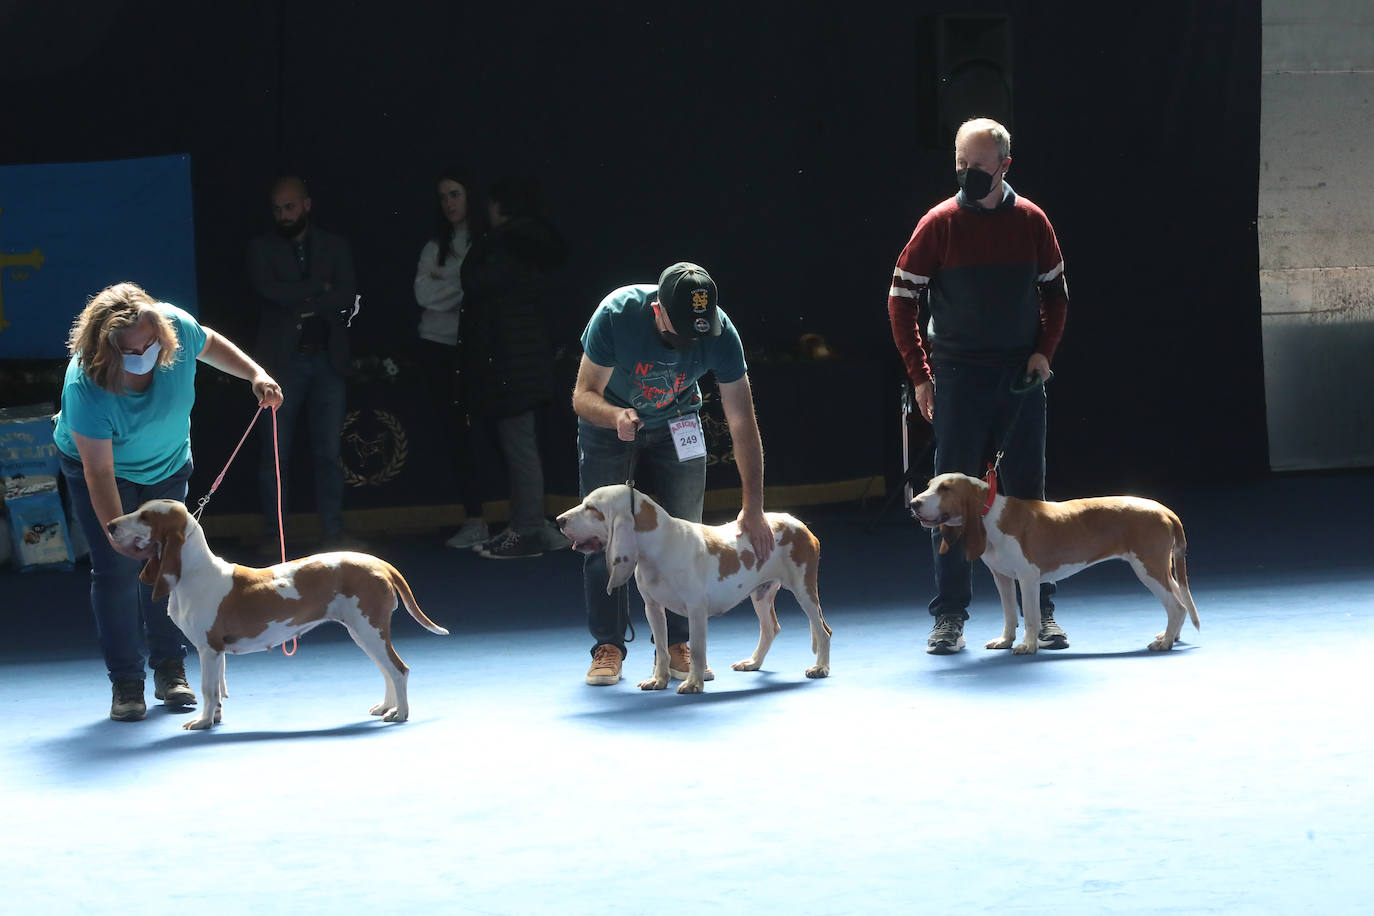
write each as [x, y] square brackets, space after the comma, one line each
[309, 384]
[132, 628]
[679, 487]
[974, 408]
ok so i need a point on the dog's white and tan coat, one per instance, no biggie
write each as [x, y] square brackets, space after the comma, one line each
[225, 608]
[1028, 542]
[699, 572]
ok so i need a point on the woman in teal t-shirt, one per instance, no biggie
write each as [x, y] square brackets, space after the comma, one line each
[124, 434]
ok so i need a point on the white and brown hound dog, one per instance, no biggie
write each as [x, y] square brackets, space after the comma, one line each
[226, 608]
[1030, 542]
[699, 572]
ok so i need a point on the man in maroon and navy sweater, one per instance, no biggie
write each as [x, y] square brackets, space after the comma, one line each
[988, 264]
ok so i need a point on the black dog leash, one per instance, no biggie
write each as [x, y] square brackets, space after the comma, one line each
[623, 605]
[910, 467]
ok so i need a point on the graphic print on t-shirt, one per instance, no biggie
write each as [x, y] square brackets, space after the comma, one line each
[658, 385]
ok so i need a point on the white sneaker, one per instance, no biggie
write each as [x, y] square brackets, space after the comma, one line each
[472, 535]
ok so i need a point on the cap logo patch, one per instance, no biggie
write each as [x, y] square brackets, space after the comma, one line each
[702, 325]
[700, 300]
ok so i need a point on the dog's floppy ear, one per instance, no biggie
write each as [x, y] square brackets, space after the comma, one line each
[166, 562]
[622, 547]
[970, 508]
[975, 535]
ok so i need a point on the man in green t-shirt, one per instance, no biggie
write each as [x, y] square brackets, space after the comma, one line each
[644, 349]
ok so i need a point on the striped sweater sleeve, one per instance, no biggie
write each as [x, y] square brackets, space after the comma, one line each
[910, 278]
[1054, 293]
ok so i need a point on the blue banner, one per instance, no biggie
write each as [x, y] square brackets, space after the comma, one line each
[69, 230]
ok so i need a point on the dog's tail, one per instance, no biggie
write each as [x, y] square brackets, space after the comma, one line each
[399, 583]
[1180, 557]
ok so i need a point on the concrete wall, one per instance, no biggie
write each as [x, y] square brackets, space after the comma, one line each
[1316, 231]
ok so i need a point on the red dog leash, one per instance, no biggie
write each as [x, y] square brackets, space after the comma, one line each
[276, 458]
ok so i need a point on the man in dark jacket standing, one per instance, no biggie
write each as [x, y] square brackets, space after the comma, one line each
[303, 277]
[505, 355]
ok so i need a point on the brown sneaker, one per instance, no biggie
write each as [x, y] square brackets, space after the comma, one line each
[169, 684]
[680, 663]
[605, 669]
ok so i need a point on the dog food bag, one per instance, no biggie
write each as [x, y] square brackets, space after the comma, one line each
[26, 444]
[38, 528]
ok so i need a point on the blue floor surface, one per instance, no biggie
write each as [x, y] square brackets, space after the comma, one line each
[1231, 775]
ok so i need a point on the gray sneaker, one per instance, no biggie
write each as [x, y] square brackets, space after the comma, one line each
[555, 539]
[472, 535]
[947, 636]
[126, 701]
[1052, 636]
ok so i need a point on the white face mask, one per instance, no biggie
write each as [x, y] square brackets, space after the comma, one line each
[142, 363]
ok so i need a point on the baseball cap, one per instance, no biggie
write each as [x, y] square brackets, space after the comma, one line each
[688, 294]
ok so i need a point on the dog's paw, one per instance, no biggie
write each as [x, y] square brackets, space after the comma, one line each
[396, 715]
[1161, 643]
[654, 683]
[818, 671]
[1022, 648]
[380, 709]
[691, 686]
[748, 664]
[1001, 642]
[199, 722]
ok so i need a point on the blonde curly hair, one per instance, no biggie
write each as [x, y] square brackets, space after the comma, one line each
[94, 336]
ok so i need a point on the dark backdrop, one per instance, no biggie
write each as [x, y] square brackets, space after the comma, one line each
[776, 143]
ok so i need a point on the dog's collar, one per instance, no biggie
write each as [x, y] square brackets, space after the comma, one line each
[991, 480]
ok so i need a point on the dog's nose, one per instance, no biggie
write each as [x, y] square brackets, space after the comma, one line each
[110, 527]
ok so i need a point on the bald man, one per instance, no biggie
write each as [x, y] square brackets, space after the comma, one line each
[303, 278]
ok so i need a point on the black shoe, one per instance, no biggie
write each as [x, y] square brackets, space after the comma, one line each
[1052, 636]
[169, 684]
[512, 545]
[947, 636]
[126, 703]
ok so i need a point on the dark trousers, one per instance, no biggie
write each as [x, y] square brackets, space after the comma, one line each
[678, 486]
[438, 370]
[133, 629]
[974, 409]
[311, 386]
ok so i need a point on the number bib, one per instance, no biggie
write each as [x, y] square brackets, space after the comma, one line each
[687, 437]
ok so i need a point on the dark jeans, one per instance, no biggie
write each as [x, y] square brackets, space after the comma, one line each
[309, 385]
[974, 408]
[678, 486]
[132, 628]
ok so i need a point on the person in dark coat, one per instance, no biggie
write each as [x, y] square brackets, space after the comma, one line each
[506, 355]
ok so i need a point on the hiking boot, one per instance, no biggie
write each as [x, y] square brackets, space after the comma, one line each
[1052, 636]
[606, 663]
[680, 663]
[169, 684]
[472, 535]
[126, 702]
[512, 545]
[947, 636]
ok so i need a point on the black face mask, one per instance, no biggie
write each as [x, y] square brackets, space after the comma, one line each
[976, 183]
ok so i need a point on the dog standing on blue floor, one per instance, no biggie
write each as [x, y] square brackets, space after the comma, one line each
[226, 608]
[700, 572]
